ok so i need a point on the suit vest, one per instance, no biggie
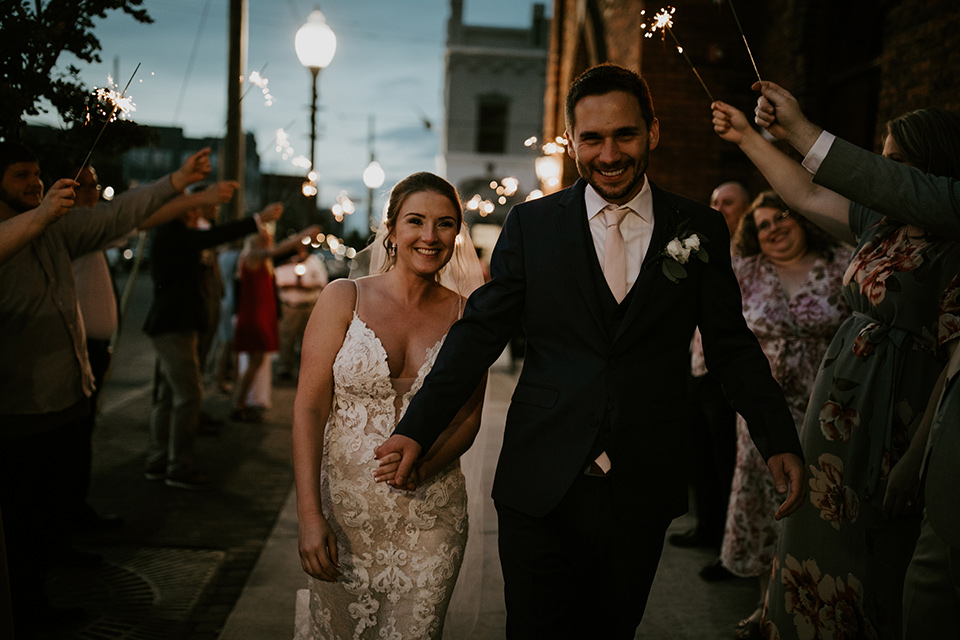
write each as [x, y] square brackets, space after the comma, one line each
[613, 315]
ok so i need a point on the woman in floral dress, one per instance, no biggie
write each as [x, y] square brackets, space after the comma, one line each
[790, 274]
[841, 560]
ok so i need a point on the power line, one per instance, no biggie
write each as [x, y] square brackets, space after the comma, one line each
[193, 57]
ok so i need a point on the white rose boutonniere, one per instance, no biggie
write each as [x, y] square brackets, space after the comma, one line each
[679, 251]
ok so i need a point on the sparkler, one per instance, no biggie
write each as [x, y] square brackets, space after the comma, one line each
[745, 43]
[282, 146]
[120, 103]
[257, 78]
[662, 22]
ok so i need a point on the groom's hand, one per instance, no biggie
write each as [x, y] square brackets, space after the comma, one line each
[409, 450]
[788, 468]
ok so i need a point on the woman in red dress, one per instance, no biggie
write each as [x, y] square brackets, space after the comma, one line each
[257, 331]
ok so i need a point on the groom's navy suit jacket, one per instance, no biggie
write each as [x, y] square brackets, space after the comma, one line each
[598, 376]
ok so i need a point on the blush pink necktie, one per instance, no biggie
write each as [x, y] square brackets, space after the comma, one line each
[615, 252]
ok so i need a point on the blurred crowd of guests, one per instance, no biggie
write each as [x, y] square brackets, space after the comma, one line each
[855, 300]
[60, 317]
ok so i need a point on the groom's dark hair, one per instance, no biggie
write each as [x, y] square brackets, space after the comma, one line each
[601, 80]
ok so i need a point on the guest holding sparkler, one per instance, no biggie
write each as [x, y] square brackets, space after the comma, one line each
[300, 281]
[931, 590]
[97, 298]
[177, 315]
[257, 331]
[44, 370]
[841, 561]
[18, 231]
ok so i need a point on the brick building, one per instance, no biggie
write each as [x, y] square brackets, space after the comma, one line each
[853, 65]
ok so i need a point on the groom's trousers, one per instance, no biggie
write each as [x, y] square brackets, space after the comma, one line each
[580, 571]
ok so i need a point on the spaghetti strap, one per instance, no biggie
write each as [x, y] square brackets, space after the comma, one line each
[356, 304]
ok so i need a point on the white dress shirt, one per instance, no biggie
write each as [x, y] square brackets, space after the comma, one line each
[819, 150]
[637, 227]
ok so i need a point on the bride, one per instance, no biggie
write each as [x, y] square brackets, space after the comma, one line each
[383, 560]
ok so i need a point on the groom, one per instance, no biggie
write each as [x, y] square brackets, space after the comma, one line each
[609, 283]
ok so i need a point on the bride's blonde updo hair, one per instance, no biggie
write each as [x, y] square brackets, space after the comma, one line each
[415, 183]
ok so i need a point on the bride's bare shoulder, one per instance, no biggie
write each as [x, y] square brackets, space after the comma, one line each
[339, 297]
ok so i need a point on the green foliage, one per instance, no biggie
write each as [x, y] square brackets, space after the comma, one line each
[33, 35]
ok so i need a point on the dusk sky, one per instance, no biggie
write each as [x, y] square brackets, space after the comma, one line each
[388, 62]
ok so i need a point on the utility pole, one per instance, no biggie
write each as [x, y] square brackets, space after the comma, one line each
[232, 159]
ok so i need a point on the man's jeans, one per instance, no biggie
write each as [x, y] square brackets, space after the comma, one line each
[176, 402]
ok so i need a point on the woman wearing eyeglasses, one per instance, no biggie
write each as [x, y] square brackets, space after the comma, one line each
[790, 274]
[841, 559]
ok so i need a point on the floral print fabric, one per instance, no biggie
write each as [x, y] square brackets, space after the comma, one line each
[794, 334]
[841, 562]
[400, 552]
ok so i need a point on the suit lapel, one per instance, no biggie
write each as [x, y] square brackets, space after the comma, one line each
[578, 248]
[665, 221]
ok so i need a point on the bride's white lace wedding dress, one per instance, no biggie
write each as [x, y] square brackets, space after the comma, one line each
[400, 552]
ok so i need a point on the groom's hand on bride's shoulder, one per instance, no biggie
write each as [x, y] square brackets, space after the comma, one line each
[408, 449]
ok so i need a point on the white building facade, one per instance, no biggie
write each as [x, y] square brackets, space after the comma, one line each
[493, 102]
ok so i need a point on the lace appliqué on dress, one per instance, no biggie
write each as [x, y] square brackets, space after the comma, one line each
[400, 552]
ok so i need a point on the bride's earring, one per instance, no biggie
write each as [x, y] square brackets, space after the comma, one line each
[392, 250]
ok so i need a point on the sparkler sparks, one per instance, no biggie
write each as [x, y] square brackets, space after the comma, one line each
[256, 78]
[663, 22]
[119, 103]
[282, 146]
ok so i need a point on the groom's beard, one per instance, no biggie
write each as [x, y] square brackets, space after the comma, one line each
[632, 177]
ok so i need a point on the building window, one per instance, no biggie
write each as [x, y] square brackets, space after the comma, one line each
[492, 124]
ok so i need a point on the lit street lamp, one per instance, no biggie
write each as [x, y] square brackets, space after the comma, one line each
[549, 168]
[315, 44]
[373, 177]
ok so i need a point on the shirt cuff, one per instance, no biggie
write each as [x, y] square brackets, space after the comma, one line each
[819, 150]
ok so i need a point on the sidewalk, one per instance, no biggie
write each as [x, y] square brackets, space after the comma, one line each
[224, 564]
[178, 565]
[681, 606]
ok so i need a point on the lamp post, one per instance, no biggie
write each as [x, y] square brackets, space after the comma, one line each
[315, 44]
[373, 177]
[549, 168]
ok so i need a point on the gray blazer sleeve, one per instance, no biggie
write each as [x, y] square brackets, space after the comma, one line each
[91, 229]
[892, 188]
